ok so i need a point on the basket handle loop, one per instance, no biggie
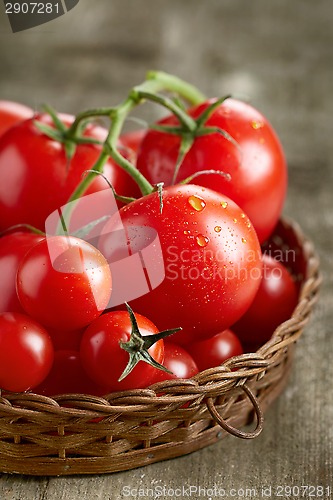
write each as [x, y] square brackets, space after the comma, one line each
[232, 430]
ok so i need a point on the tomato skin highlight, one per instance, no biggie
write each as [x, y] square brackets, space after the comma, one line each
[26, 352]
[104, 360]
[36, 178]
[12, 113]
[178, 361]
[69, 292]
[273, 304]
[13, 247]
[212, 259]
[257, 166]
[215, 350]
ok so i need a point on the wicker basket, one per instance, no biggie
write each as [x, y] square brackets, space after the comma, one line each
[80, 434]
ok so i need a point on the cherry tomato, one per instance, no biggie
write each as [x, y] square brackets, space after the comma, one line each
[273, 304]
[103, 358]
[13, 248]
[26, 352]
[212, 259]
[178, 361]
[215, 350]
[257, 165]
[68, 377]
[36, 177]
[64, 283]
[12, 113]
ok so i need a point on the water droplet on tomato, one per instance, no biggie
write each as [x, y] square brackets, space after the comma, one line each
[244, 240]
[235, 221]
[196, 202]
[217, 229]
[224, 204]
[187, 233]
[257, 124]
[202, 240]
[243, 216]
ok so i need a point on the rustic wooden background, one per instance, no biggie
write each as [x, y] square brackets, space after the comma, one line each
[280, 54]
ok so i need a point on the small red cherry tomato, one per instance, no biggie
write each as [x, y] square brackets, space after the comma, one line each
[103, 358]
[274, 303]
[178, 361]
[13, 247]
[214, 351]
[64, 283]
[26, 352]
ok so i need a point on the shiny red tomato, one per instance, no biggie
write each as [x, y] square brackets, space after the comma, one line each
[212, 259]
[273, 304]
[68, 377]
[13, 248]
[103, 358]
[36, 178]
[178, 361]
[64, 283]
[215, 350]
[12, 113]
[257, 166]
[26, 352]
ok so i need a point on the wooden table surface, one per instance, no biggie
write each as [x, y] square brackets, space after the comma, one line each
[280, 55]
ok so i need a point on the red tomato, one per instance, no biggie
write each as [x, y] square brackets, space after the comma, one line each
[257, 167]
[178, 361]
[214, 351]
[273, 304]
[212, 259]
[12, 113]
[36, 178]
[13, 248]
[26, 352]
[103, 358]
[64, 283]
[68, 377]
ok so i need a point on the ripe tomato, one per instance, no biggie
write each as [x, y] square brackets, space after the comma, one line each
[36, 178]
[26, 352]
[12, 113]
[257, 167]
[273, 304]
[68, 377]
[212, 259]
[64, 283]
[215, 350]
[103, 358]
[13, 248]
[178, 361]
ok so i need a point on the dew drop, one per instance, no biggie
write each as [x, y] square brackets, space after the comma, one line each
[244, 240]
[224, 204]
[257, 124]
[217, 229]
[202, 240]
[196, 202]
[243, 216]
[187, 233]
[249, 224]
[235, 221]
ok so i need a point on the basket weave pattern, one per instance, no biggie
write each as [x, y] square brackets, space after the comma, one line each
[80, 434]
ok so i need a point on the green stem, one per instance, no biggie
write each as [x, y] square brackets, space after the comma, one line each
[163, 81]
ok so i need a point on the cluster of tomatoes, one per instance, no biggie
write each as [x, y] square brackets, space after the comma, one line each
[217, 205]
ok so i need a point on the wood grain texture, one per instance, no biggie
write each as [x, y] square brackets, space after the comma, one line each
[280, 55]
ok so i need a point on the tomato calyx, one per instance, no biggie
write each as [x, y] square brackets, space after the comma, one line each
[138, 345]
